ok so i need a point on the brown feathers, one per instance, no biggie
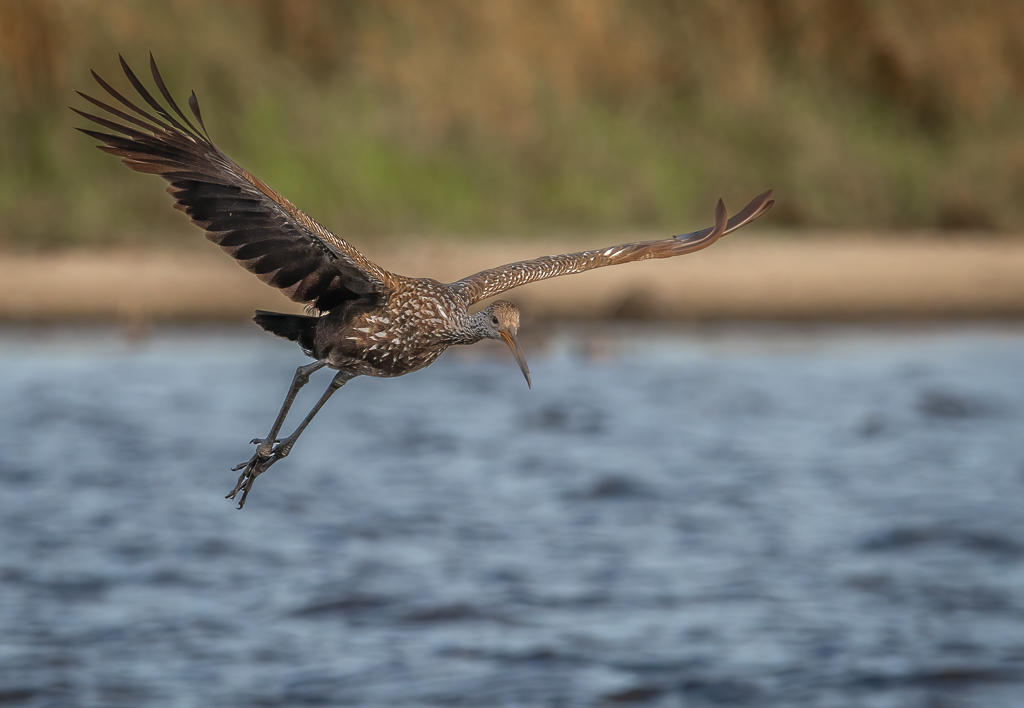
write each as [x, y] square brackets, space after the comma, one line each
[288, 250]
[491, 282]
[262, 230]
[374, 322]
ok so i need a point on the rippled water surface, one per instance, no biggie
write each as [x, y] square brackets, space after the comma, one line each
[728, 517]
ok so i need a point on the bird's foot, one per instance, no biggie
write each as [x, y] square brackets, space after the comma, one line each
[266, 455]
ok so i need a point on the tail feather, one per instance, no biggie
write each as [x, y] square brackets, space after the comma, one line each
[297, 328]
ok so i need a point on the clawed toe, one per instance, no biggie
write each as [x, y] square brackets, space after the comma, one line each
[271, 448]
[250, 471]
[256, 465]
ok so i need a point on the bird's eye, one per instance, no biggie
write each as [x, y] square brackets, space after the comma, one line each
[494, 320]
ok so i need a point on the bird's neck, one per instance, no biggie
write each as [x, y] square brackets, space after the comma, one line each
[472, 329]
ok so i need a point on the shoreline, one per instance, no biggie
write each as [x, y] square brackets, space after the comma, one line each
[837, 277]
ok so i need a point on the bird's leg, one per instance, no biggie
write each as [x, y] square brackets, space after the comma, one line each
[266, 445]
[259, 464]
[300, 379]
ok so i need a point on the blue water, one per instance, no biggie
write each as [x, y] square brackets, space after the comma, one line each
[728, 516]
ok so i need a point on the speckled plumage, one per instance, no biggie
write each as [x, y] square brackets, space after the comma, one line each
[365, 320]
[418, 321]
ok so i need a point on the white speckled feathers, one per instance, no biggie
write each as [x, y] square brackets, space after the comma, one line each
[493, 281]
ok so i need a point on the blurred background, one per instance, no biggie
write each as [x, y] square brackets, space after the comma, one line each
[784, 471]
[511, 117]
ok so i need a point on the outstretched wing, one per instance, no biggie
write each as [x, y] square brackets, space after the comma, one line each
[263, 231]
[488, 283]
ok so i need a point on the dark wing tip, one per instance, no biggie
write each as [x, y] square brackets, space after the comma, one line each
[753, 210]
[721, 219]
[159, 80]
[193, 104]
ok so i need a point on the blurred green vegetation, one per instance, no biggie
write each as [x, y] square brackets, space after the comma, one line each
[522, 116]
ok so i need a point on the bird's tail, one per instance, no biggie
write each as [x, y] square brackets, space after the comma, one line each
[297, 328]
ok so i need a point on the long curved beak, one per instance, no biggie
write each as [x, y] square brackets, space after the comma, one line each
[509, 337]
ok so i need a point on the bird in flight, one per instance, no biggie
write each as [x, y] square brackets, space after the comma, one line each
[361, 320]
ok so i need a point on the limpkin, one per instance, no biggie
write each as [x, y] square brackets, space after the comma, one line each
[362, 319]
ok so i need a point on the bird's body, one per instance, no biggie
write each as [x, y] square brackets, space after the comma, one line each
[407, 332]
[364, 321]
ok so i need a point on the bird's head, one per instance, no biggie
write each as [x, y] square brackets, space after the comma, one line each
[500, 320]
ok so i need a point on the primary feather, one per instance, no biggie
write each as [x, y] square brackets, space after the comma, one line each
[263, 231]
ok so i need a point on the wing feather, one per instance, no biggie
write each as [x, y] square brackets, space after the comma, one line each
[493, 281]
[264, 232]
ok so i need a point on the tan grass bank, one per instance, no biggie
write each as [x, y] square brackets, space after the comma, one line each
[819, 277]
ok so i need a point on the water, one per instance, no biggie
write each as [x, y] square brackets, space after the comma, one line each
[726, 517]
